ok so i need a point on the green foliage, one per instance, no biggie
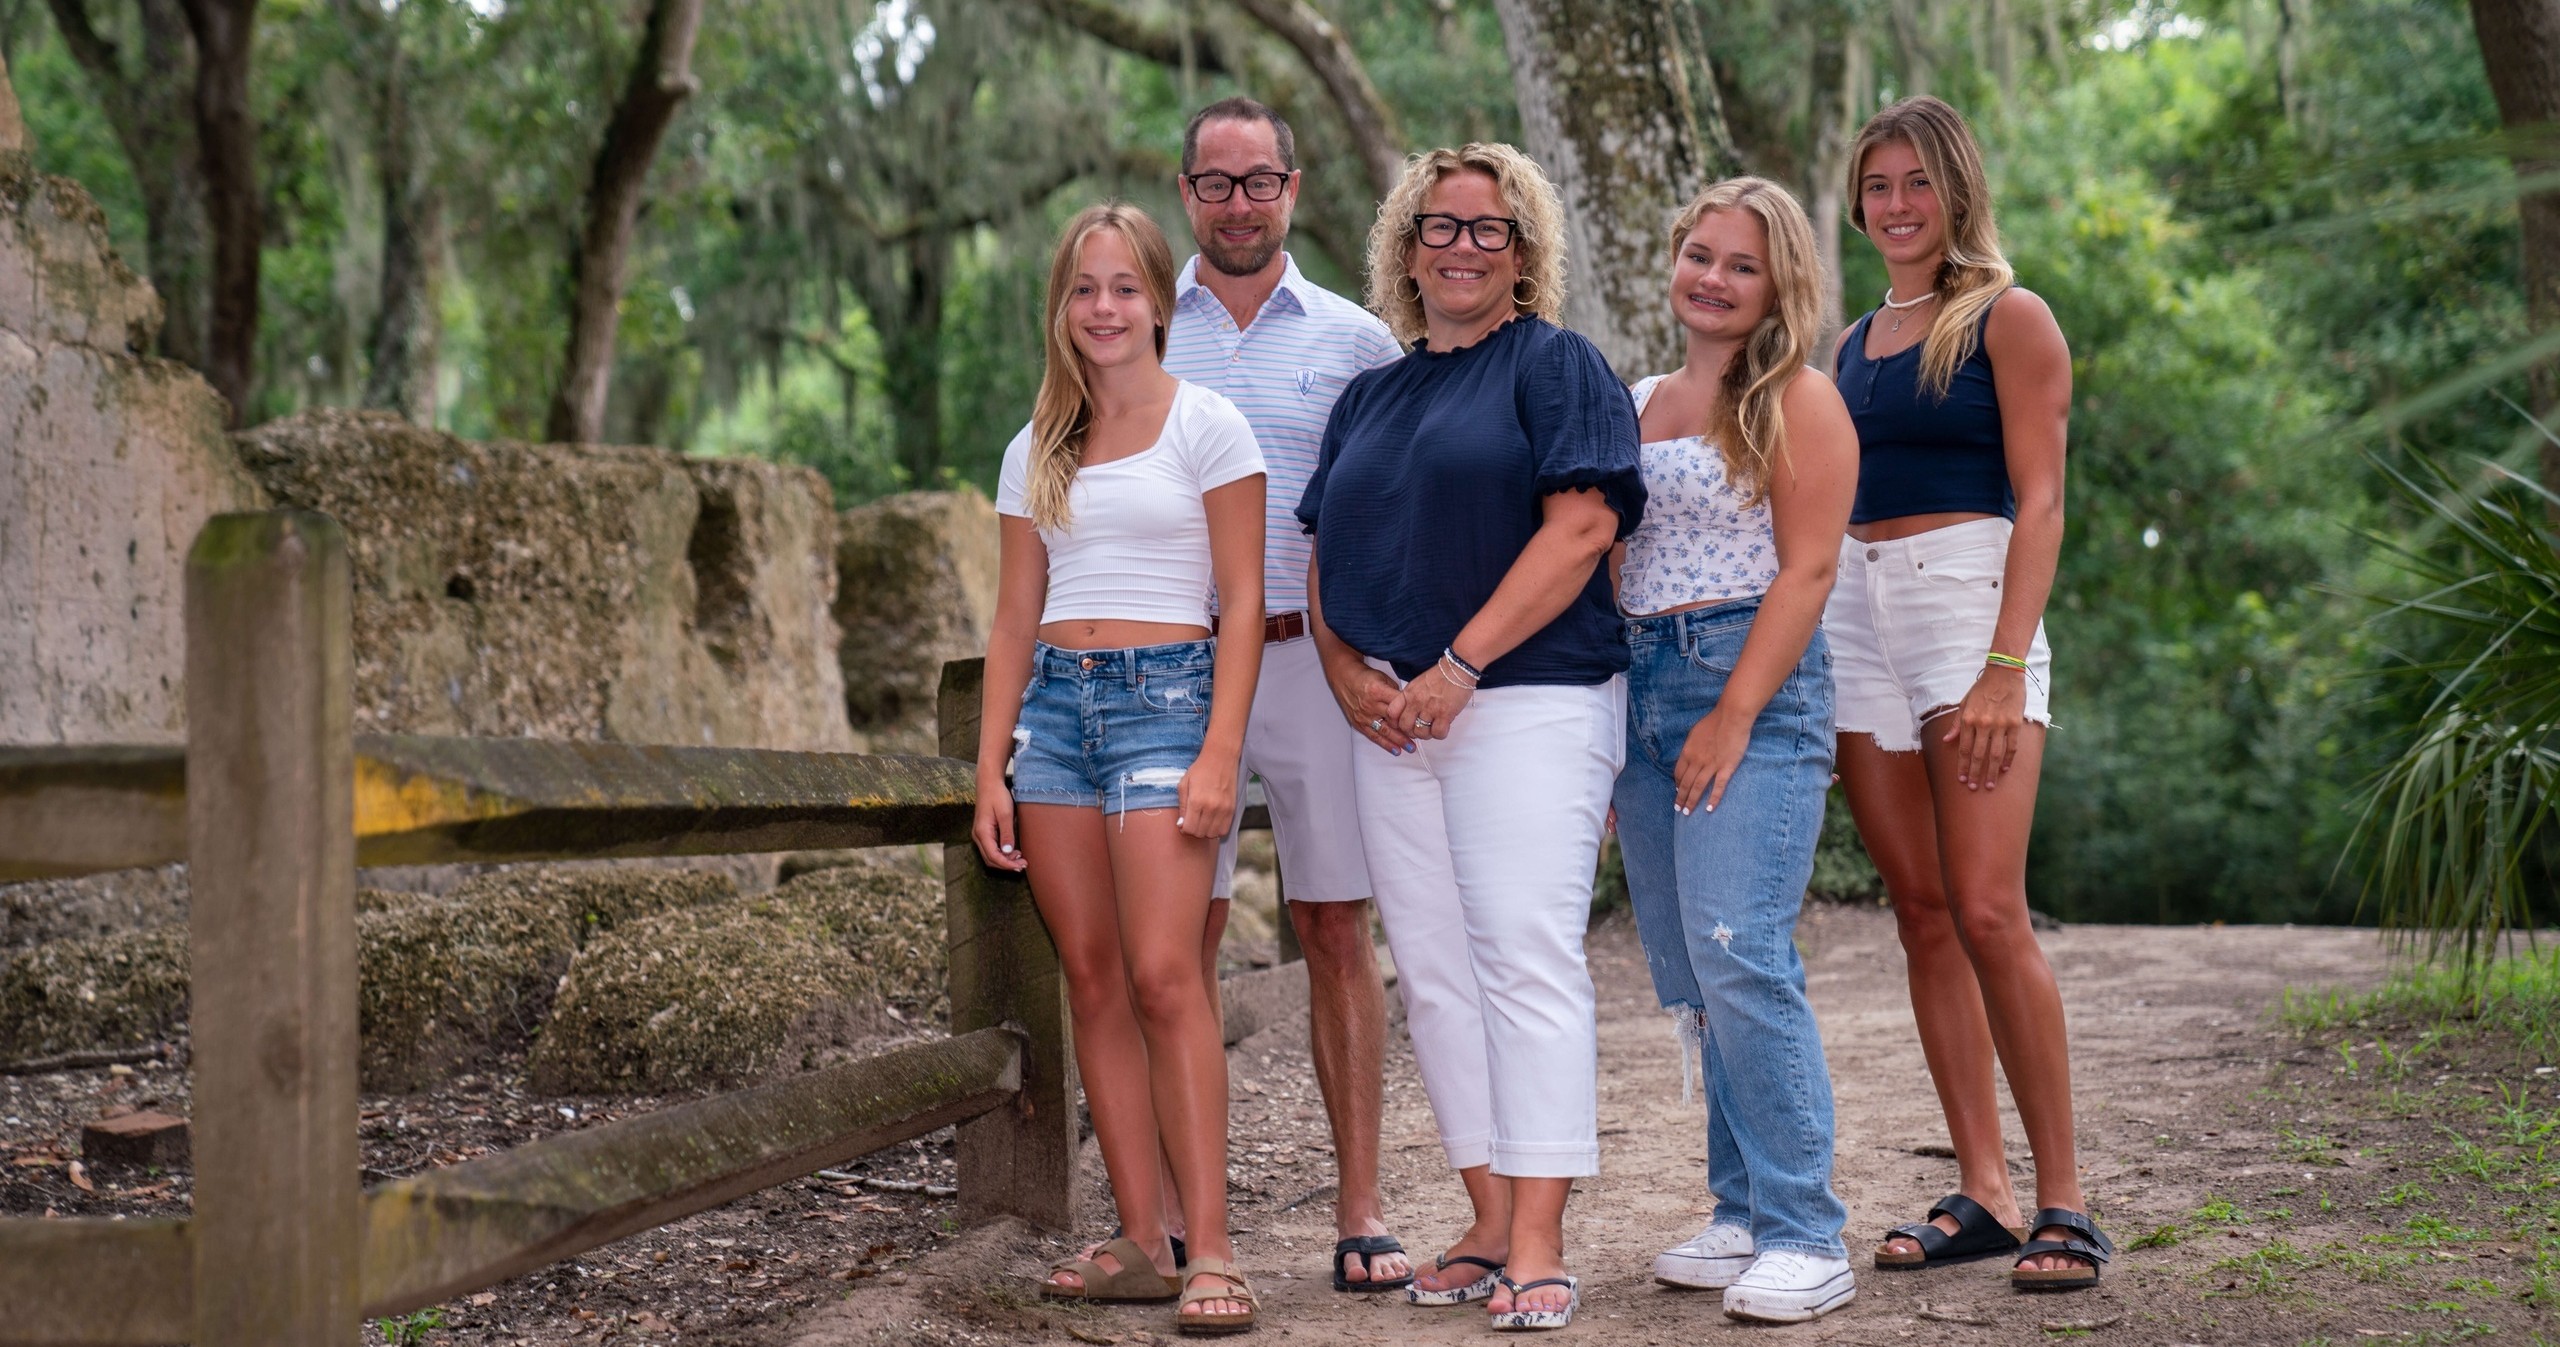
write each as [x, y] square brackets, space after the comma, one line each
[2516, 997]
[2458, 829]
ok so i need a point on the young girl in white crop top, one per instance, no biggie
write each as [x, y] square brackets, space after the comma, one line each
[1129, 497]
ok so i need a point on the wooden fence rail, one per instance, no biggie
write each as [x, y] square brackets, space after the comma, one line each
[272, 804]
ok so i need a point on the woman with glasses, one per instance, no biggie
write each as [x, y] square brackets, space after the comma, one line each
[1462, 503]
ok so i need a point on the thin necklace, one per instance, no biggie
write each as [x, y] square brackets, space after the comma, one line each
[1898, 305]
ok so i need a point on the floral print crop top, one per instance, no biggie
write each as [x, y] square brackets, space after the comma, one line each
[1698, 541]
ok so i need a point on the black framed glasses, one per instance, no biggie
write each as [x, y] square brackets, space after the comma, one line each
[1216, 187]
[1492, 233]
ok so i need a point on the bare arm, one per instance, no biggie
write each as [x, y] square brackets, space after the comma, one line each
[1208, 790]
[1577, 531]
[1022, 588]
[2033, 365]
[1809, 498]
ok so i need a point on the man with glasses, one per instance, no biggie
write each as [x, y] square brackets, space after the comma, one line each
[1248, 324]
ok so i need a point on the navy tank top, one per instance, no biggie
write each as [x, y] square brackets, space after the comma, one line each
[1918, 454]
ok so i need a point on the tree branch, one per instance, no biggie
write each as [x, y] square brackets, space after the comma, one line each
[1328, 52]
[1117, 27]
[661, 80]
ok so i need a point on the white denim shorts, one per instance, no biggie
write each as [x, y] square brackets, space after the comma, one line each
[1909, 623]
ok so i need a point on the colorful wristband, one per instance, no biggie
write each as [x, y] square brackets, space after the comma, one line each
[1450, 654]
[1999, 661]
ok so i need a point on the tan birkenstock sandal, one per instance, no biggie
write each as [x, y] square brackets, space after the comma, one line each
[1136, 1280]
[1230, 1285]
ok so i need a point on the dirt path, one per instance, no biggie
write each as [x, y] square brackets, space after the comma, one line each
[2173, 1051]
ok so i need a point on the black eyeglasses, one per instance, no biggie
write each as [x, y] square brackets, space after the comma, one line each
[1216, 187]
[1492, 233]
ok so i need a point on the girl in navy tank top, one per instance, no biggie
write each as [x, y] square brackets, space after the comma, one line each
[1960, 387]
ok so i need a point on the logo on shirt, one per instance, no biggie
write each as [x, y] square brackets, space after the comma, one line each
[1306, 383]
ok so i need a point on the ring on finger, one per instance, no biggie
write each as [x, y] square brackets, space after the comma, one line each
[1421, 724]
[1377, 723]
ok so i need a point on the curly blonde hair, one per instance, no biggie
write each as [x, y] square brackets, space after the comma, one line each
[1750, 426]
[1526, 194]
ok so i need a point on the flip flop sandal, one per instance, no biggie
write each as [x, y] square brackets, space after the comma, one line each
[1519, 1319]
[1230, 1285]
[1137, 1279]
[2089, 1245]
[1367, 1248]
[1978, 1235]
[1479, 1289]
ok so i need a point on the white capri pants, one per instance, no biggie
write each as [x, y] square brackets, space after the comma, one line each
[1482, 847]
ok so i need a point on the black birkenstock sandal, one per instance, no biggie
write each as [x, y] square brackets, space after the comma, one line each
[1367, 1248]
[2088, 1244]
[1978, 1235]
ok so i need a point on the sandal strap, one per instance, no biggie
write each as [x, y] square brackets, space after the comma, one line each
[1969, 1215]
[1487, 1264]
[2071, 1248]
[1237, 1287]
[2077, 1222]
[1929, 1237]
[1517, 1287]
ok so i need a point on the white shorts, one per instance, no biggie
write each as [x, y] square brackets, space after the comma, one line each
[1298, 743]
[1909, 622]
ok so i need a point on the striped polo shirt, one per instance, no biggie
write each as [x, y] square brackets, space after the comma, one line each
[1283, 373]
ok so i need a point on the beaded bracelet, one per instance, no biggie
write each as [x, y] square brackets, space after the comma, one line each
[1999, 661]
[1461, 679]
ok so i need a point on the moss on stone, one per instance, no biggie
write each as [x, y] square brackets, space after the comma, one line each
[94, 992]
[888, 919]
[704, 996]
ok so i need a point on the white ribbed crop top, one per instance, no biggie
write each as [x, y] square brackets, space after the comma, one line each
[1699, 541]
[1136, 545]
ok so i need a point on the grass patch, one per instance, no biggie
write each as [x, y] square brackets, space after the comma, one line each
[2517, 1000]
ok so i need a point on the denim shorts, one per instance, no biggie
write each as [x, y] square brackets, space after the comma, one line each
[1112, 729]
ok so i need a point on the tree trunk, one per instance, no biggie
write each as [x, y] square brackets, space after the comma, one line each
[661, 79]
[911, 352]
[1606, 108]
[2520, 45]
[227, 130]
[153, 116]
[400, 350]
[1839, 95]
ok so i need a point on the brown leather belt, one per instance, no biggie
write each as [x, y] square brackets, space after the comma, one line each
[1276, 627]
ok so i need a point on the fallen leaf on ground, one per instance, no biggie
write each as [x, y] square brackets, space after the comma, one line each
[80, 1178]
[485, 1298]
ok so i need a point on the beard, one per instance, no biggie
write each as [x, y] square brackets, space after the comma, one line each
[1242, 261]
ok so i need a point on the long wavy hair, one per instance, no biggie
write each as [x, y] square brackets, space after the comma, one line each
[1750, 426]
[1974, 273]
[1064, 410]
[1526, 194]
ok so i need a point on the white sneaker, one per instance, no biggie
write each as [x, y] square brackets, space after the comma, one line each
[1790, 1286]
[1709, 1262]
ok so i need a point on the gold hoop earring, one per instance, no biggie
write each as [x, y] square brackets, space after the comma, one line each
[1399, 288]
[1527, 301]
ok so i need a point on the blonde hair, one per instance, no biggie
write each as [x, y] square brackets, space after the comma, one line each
[1750, 426]
[1973, 274]
[1063, 412]
[1526, 194]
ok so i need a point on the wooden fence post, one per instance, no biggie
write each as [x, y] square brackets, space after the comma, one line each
[1017, 1161]
[271, 866]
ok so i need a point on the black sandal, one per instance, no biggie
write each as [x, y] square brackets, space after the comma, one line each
[2091, 1247]
[1367, 1248]
[1978, 1235]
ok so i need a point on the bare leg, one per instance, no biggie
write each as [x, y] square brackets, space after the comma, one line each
[1071, 882]
[1889, 795]
[1488, 1236]
[1347, 1013]
[1162, 878]
[1537, 1244]
[1982, 844]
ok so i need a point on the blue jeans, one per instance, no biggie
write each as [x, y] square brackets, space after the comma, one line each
[1112, 730]
[1716, 897]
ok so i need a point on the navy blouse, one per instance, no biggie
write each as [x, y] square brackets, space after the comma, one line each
[1430, 482]
[1919, 454]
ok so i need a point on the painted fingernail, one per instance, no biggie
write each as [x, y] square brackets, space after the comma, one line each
[1711, 809]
